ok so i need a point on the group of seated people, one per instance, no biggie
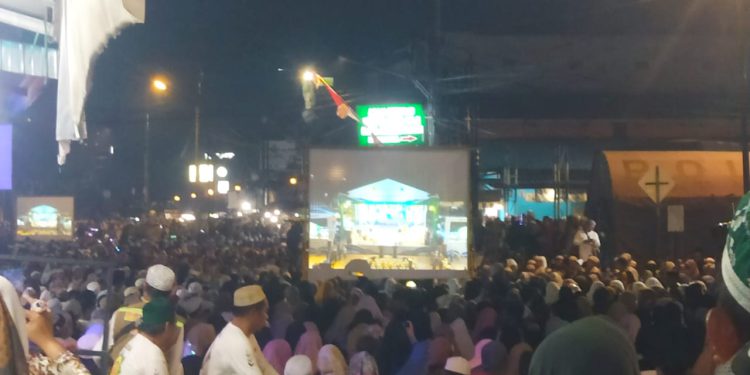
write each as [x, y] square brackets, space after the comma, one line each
[250, 313]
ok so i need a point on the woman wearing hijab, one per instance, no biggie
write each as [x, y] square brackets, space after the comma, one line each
[309, 345]
[464, 344]
[331, 361]
[439, 351]
[363, 363]
[363, 324]
[277, 352]
[485, 320]
[515, 358]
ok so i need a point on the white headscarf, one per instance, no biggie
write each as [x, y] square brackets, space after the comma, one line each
[298, 365]
[653, 282]
[17, 313]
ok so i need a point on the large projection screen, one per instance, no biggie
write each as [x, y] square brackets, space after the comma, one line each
[388, 212]
[44, 218]
[6, 157]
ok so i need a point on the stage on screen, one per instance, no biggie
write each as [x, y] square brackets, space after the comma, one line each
[44, 217]
[388, 212]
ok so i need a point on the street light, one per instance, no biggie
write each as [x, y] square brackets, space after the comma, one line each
[159, 84]
[176, 198]
[293, 181]
[308, 75]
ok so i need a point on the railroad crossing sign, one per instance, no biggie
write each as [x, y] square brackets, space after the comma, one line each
[656, 184]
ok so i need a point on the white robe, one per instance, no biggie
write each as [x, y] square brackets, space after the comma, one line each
[232, 353]
[140, 357]
[586, 249]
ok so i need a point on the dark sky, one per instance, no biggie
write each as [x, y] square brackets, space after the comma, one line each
[250, 53]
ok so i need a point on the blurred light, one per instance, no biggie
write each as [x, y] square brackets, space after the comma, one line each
[176, 198]
[213, 215]
[192, 173]
[187, 217]
[274, 219]
[276, 212]
[246, 206]
[296, 214]
[237, 188]
[239, 214]
[222, 186]
[293, 180]
[267, 215]
[111, 150]
[206, 173]
[159, 84]
[193, 195]
[411, 284]
[210, 192]
[222, 171]
[225, 155]
[308, 75]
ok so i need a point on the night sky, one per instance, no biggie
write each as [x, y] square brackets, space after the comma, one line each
[251, 53]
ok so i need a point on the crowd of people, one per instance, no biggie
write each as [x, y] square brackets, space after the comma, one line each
[225, 297]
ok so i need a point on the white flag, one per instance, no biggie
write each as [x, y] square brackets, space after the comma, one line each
[85, 27]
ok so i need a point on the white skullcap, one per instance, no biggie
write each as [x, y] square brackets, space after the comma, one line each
[94, 287]
[160, 277]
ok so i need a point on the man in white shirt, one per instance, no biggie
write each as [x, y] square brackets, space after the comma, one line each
[235, 350]
[159, 283]
[587, 240]
[144, 354]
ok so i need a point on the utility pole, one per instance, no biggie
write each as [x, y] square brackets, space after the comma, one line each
[146, 156]
[198, 121]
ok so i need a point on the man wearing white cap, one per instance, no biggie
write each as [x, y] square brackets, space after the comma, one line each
[160, 281]
[235, 350]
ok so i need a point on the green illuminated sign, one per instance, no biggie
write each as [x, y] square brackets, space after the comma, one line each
[391, 124]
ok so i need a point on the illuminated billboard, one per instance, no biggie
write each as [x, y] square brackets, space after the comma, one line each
[391, 124]
[6, 157]
[393, 211]
[44, 217]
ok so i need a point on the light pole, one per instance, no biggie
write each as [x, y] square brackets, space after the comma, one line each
[158, 86]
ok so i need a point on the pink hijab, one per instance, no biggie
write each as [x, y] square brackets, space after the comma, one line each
[277, 352]
[476, 361]
[309, 344]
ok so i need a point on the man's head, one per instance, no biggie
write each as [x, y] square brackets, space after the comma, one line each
[251, 307]
[159, 281]
[158, 323]
[589, 225]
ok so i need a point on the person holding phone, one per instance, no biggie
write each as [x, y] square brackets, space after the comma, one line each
[19, 326]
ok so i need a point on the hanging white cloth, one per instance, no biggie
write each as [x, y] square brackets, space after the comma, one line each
[85, 26]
